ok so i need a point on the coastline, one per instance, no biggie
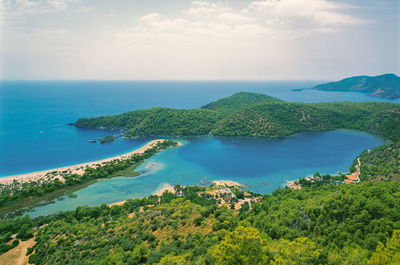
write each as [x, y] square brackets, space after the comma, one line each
[158, 192]
[227, 183]
[73, 169]
[165, 187]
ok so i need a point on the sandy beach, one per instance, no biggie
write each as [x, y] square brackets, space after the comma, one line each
[227, 183]
[159, 192]
[164, 188]
[73, 169]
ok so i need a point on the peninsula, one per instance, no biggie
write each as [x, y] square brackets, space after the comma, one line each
[255, 115]
[382, 86]
[13, 188]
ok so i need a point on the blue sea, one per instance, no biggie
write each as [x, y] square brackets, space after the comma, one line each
[34, 135]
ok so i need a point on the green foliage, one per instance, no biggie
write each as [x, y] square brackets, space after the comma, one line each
[157, 122]
[277, 120]
[22, 227]
[242, 246]
[353, 254]
[332, 216]
[389, 254]
[386, 86]
[173, 260]
[238, 101]
[344, 224]
[140, 253]
[380, 163]
[299, 251]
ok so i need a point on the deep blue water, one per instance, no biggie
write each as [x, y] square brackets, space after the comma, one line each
[27, 108]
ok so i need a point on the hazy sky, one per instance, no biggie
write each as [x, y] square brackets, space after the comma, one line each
[181, 40]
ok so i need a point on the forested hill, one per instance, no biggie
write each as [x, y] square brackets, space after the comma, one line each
[381, 163]
[239, 100]
[383, 86]
[345, 224]
[249, 114]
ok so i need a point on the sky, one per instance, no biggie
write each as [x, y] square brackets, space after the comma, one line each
[198, 40]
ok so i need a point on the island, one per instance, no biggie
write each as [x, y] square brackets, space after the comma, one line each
[383, 86]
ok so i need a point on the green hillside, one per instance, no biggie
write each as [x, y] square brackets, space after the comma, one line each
[249, 114]
[275, 120]
[380, 163]
[384, 86]
[239, 100]
[345, 224]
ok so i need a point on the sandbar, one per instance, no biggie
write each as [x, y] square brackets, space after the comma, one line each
[73, 169]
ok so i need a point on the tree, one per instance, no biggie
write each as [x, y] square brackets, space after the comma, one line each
[173, 260]
[353, 254]
[140, 253]
[300, 251]
[242, 246]
[389, 254]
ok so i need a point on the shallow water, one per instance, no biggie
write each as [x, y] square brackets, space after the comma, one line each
[263, 165]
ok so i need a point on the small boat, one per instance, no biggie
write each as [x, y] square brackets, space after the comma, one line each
[92, 141]
[41, 131]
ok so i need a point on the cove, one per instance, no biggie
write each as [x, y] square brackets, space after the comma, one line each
[261, 164]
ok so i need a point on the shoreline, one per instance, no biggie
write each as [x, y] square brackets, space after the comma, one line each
[227, 183]
[158, 192]
[164, 188]
[73, 169]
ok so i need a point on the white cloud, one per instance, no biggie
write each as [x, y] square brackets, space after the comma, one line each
[320, 12]
[206, 40]
[23, 7]
[218, 22]
[58, 4]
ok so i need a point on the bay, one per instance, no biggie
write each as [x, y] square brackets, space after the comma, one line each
[34, 135]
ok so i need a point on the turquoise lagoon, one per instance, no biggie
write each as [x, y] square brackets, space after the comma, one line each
[263, 165]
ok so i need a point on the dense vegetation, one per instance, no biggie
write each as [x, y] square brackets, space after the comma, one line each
[385, 86]
[238, 101]
[157, 122]
[15, 191]
[380, 163]
[107, 139]
[248, 114]
[344, 224]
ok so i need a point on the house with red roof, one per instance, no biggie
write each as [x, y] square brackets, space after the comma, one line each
[352, 178]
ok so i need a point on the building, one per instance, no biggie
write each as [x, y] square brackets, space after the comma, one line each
[352, 178]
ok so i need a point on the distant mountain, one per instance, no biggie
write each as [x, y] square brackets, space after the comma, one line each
[383, 86]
